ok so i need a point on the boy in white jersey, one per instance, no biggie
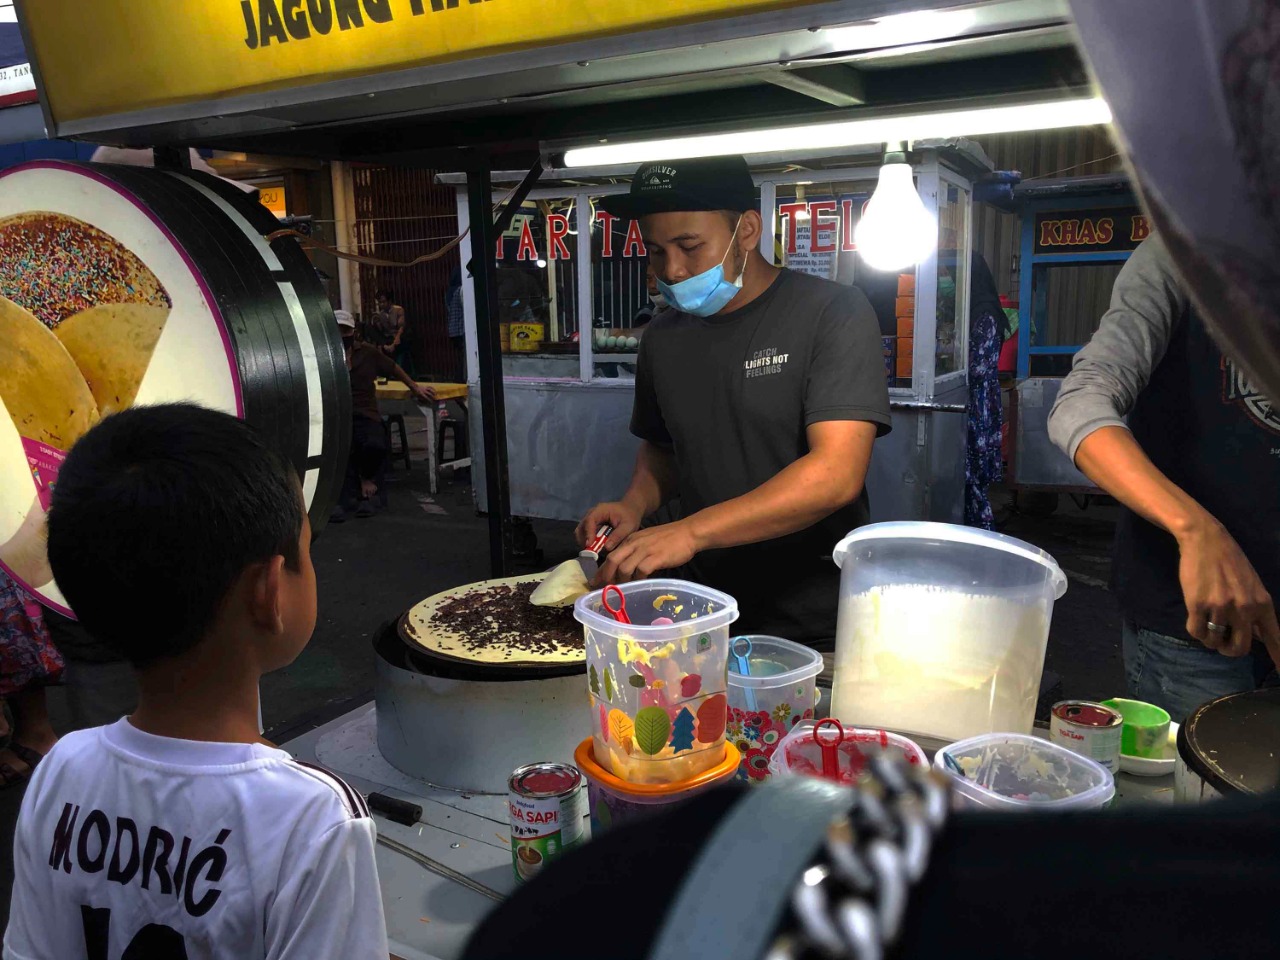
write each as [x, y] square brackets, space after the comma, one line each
[177, 833]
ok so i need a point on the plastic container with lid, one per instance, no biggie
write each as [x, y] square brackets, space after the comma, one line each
[777, 690]
[1013, 771]
[942, 629]
[847, 749]
[611, 801]
[658, 684]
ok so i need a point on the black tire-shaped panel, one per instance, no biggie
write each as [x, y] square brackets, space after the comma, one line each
[282, 361]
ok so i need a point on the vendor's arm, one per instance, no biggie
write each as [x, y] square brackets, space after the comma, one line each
[825, 479]
[1087, 423]
[389, 368]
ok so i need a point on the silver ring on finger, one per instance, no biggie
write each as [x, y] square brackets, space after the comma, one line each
[1218, 629]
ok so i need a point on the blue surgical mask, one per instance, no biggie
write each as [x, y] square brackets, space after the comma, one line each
[709, 292]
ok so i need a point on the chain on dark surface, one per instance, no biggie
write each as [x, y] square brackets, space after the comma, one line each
[851, 900]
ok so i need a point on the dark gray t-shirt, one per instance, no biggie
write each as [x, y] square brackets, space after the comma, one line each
[732, 397]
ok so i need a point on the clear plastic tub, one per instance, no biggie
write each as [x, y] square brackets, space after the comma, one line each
[941, 630]
[801, 755]
[777, 691]
[1012, 771]
[612, 801]
[658, 699]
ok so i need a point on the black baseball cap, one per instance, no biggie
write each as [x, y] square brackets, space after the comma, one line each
[702, 183]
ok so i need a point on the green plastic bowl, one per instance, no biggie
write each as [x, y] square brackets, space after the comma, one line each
[1145, 730]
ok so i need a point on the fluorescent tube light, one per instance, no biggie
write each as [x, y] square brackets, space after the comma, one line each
[823, 136]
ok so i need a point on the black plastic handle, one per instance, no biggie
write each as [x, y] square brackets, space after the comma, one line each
[397, 811]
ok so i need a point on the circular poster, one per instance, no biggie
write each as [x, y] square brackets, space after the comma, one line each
[127, 285]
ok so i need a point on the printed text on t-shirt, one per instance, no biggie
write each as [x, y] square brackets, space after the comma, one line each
[132, 858]
[765, 362]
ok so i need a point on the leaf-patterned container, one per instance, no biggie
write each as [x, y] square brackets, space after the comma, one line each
[658, 685]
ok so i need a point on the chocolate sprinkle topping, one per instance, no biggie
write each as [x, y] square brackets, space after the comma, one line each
[502, 615]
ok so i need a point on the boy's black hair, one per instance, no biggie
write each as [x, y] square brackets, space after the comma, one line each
[384, 294]
[156, 512]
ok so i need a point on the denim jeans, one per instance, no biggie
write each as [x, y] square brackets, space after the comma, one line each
[1180, 674]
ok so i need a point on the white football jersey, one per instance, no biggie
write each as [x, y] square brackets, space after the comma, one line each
[131, 846]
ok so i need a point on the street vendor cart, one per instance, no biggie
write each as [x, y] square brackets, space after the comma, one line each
[814, 90]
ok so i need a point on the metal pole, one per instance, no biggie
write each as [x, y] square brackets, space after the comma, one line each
[493, 411]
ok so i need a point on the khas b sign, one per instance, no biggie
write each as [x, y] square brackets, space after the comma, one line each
[1090, 231]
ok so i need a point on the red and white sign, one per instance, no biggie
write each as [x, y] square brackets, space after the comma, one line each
[559, 244]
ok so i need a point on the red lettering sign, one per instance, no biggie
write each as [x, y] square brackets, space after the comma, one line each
[606, 236]
[788, 213]
[1050, 233]
[634, 241]
[499, 253]
[822, 220]
[846, 226]
[557, 229]
[526, 250]
[1088, 233]
[1141, 229]
[1106, 230]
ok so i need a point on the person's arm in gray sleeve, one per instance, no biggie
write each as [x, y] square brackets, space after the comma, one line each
[1219, 585]
[1109, 373]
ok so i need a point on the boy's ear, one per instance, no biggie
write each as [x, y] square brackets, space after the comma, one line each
[264, 594]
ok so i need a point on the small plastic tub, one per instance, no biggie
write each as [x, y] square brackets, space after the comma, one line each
[612, 801]
[777, 691]
[1012, 771]
[847, 751]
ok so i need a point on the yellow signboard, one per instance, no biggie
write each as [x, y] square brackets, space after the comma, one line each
[98, 58]
[272, 197]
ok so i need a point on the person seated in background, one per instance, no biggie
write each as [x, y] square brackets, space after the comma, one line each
[386, 325]
[180, 537]
[365, 364]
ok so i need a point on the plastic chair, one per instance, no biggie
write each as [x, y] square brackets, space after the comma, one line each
[394, 453]
[457, 430]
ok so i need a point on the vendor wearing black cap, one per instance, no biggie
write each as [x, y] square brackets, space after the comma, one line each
[759, 394]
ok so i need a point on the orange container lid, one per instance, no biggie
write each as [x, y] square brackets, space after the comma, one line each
[585, 759]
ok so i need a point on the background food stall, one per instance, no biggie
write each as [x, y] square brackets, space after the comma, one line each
[571, 291]
[492, 86]
[1075, 236]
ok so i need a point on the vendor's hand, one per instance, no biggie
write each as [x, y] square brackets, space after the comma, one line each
[423, 393]
[624, 519]
[1220, 586]
[648, 551]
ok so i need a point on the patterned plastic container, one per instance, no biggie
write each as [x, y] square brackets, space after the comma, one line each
[658, 684]
[776, 690]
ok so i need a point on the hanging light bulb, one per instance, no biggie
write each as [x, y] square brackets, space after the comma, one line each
[896, 231]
